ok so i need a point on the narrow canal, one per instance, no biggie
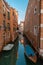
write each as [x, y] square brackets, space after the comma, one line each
[16, 56]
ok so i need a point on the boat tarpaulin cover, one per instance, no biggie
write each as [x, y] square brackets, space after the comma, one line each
[29, 51]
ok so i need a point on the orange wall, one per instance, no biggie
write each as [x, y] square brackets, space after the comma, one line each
[14, 23]
[8, 34]
[32, 21]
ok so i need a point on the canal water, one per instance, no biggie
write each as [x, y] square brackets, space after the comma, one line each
[16, 56]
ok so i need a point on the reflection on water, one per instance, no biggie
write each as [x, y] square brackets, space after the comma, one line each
[21, 58]
[16, 55]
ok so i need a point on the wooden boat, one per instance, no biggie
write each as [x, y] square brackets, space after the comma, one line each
[30, 53]
[8, 47]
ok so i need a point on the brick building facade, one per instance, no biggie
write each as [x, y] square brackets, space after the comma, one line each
[13, 23]
[4, 9]
[33, 26]
[5, 23]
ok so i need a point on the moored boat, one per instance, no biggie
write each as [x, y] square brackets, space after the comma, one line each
[8, 47]
[30, 53]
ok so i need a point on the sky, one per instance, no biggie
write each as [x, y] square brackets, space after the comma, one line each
[20, 6]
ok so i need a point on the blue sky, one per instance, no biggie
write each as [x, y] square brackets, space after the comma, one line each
[20, 6]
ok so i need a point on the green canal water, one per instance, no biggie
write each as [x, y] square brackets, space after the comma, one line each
[16, 56]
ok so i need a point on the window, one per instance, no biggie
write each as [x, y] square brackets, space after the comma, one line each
[0, 27]
[14, 29]
[4, 25]
[35, 30]
[3, 8]
[13, 13]
[8, 26]
[35, 10]
[8, 15]
[3, 5]
[4, 14]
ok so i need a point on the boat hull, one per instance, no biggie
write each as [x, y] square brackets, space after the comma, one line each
[32, 58]
[30, 53]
